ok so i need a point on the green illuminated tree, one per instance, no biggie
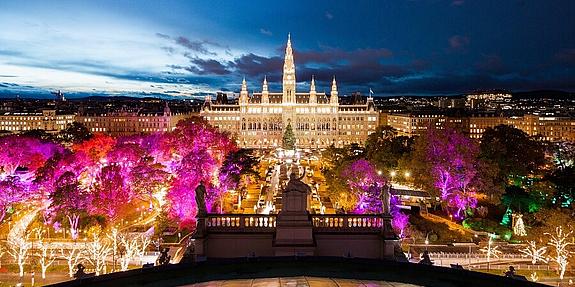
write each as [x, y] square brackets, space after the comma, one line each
[288, 141]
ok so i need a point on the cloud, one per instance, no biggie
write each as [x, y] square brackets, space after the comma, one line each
[207, 67]
[356, 67]
[163, 36]
[458, 42]
[196, 46]
[266, 32]
[491, 64]
[328, 15]
[457, 2]
[253, 65]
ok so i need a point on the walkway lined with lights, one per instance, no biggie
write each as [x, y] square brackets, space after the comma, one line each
[19, 228]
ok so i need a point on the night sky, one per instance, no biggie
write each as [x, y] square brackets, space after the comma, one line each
[420, 47]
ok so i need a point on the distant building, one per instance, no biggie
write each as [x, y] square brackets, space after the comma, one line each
[543, 127]
[124, 123]
[411, 124]
[48, 120]
[317, 119]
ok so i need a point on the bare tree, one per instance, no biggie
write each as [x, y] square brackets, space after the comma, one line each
[536, 254]
[73, 256]
[490, 251]
[18, 248]
[145, 242]
[113, 236]
[46, 256]
[131, 247]
[98, 250]
[560, 242]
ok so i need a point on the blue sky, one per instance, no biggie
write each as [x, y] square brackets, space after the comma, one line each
[187, 47]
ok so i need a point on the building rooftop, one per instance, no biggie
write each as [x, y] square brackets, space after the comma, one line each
[298, 271]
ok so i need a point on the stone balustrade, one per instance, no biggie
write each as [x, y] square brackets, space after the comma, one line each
[348, 223]
[240, 222]
[321, 223]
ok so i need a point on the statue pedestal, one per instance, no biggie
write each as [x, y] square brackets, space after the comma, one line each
[294, 230]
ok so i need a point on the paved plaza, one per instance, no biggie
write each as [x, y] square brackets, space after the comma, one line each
[302, 281]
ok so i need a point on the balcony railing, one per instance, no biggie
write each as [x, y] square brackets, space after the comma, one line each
[241, 222]
[371, 223]
[348, 223]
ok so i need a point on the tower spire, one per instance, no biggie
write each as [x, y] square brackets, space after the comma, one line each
[289, 81]
[312, 93]
[312, 86]
[244, 92]
[333, 96]
[265, 92]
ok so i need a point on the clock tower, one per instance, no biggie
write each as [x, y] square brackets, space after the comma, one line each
[289, 75]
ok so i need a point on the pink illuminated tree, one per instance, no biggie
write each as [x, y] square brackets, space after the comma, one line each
[12, 191]
[24, 152]
[365, 185]
[445, 161]
[110, 192]
[70, 200]
[196, 153]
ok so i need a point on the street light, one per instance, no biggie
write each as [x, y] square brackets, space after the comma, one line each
[379, 172]
[392, 173]
[407, 174]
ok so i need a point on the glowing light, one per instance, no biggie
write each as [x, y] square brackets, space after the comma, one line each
[560, 243]
[536, 254]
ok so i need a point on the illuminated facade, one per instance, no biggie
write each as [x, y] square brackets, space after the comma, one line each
[47, 120]
[412, 124]
[543, 127]
[317, 119]
[125, 123]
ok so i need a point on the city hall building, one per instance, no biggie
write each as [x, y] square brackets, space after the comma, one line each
[258, 119]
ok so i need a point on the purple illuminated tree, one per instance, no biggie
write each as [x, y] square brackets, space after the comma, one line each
[110, 192]
[365, 186]
[196, 152]
[12, 191]
[446, 161]
[399, 220]
[148, 178]
[70, 200]
[24, 152]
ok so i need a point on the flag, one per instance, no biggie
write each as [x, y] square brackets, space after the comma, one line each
[370, 92]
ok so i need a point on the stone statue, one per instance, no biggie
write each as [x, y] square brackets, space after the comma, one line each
[201, 200]
[385, 199]
[164, 258]
[295, 184]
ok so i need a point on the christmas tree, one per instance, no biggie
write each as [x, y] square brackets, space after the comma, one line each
[288, 141]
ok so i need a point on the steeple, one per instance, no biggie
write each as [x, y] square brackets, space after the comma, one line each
[167, 111]
[289, 81]
[312, 93]
[333, 95]
[312, 86]
[244, 92]
[265, 92]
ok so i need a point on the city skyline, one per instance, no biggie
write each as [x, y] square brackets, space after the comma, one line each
[183, 48]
